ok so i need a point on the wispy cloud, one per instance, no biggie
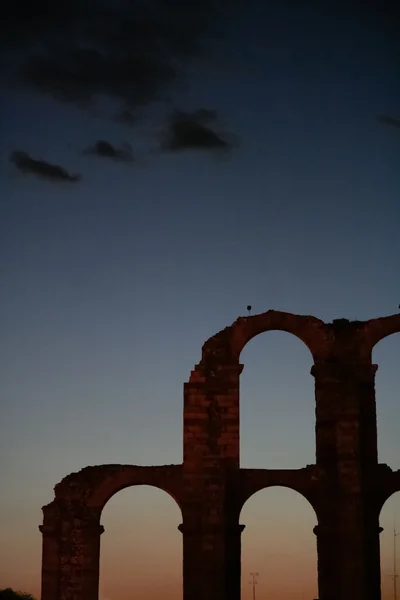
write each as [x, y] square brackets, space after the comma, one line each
[41, 168]
[134, 52]
[387, 120]
[197, 130]
[104, 149]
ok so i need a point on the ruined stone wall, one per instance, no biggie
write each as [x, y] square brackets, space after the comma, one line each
[346, 486]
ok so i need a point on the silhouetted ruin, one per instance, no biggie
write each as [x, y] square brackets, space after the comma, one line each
[346, 486]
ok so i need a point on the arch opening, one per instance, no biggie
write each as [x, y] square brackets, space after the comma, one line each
[389, 520]
[277, 403]
[386, 354]
[278, 543]
[141, 547]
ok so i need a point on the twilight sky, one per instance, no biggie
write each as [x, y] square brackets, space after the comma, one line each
[254, 172]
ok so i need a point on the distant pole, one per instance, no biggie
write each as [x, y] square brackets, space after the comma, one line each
[254, 582]
[395, 534]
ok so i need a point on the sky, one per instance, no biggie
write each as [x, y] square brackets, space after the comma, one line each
[236, 159]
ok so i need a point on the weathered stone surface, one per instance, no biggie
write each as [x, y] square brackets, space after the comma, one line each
[346, 487]
[93, 486]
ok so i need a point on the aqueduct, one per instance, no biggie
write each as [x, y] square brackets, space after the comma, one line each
[346, 486]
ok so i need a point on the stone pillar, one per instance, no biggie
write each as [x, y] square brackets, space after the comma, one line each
[70, 552]
[346, 451]
[211, 562]
[348, 550]
[203, 563]
[192, 568]
[80, 555]
[233, 561]
[50, 553]
[211, 416]
[379, 582]
[327, 567]
[345, 412]
[211, 452]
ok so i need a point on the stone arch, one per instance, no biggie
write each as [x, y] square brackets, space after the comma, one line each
[269, 518]
[277, 403]
[104, 481]
[387, 483]
[212, 489]
[71, 526]
[212, 394]
[302, 481]
[392, 493]
[227, 345]
[88, 491]
[376, 330]
[386, 354]
[141, 537]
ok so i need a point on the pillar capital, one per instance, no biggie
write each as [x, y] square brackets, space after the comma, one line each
[338, 370]
[230, 530]
[49, 530]
[189, 529]
[85, 528]
[321, 530]
[235, 529]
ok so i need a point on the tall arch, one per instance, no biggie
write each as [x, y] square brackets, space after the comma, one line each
[376, 330]
[226, 345]
[108, 480]
[277, 403]
[212, 396]
[386, 354]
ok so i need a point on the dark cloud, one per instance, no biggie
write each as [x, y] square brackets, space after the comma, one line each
[387, 120]
[41, 168]
[104, 149]
[194, 131]
[130, 51]
[126, 117]
[382, 13]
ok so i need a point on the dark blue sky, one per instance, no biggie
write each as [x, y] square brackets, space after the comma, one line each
[111, 285]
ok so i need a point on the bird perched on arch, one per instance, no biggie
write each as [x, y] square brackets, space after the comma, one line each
[249, 308]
